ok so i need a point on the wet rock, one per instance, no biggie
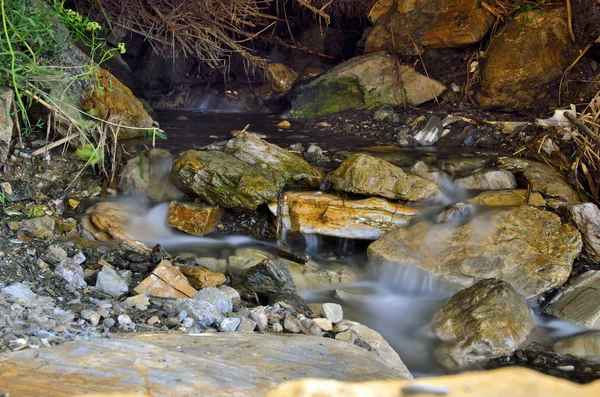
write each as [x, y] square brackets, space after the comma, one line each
[280, 77]
[216, 297]
[488, 319]
[578, 303]
[515, 68]
[54, 254]
[71, 272]
[200, 277]
[527, 247]
[314, 154]
[386, 114]
[540, 178]
[16, 191]
[255, 151]
[431, 132]
[41, 227]
[487, 180]
[312, 276]
[193, 218]
[148, 174]
[586, 346]
[19, 291]
[108, 220]
[166, 281]
[421, 169]
[508, 198]
[333, 312]
[204, 313]
[111, 283]
[270, 277]
[330, 215]
[369, 175]
[587, 218]
[229, 324]
[6, 124]
[496, 383]
[364, 82]
[456, 214]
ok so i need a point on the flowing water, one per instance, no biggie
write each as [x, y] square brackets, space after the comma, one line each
[399, 303]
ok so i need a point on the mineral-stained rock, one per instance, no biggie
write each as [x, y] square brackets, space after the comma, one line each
[109, 219]
[540, 178]
[513, 381]
[488, 319]
[364, 174]
[364, 82]
[280, 77]
[200, 277]
[509, 198]
[525, 246]
[330, 215]
[578, 303]
[166, 281]
[530, 52]
[586, 346]
[193, 218]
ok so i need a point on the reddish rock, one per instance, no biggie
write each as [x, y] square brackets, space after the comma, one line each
[193, 218]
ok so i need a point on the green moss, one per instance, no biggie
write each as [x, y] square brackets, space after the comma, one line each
[328, 96]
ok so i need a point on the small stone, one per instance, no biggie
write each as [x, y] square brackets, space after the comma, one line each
[54, 254]
[109, 322]
[291, 324]
[193, 218]
[385, 113]
[270, 277]
[284, 124]
[188, 322]
[431, 132]
[111, 283]
[153, 320]
[234, 296]
[79, 258]
[91, 316]
[333, 312]
[259, 316]
[19, 291]
[229, 324]
[277, 328]
[124, 319]
[324, 324]
[322, 124]
[72, 203]
[218, 298]
[140, 302]
[346, 336]
[203, 312]
[246, 325]
[166, 281]
[71, 272]
[200, 277]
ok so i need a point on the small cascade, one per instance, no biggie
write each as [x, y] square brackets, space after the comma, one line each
[411, 280]
[210, 100]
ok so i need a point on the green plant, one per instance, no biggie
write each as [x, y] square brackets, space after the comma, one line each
[35, 212]
[3, 198]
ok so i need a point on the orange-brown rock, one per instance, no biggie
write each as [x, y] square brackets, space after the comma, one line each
[200, 277]
[108, 220]
[331, 215]
[528, 54]
[113, 100]
[280, 77]
[166, 281]
[193, 218]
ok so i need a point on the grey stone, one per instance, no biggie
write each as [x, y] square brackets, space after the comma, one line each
[270, 277]
[109, 322]
[259, 316]
[19, 291]
[587, 218]
[431, 132]
[54, 254]
[246, 325]
[488, 180]
[219, 299]
[333, 312]
[188, 322]
[203, 312]
[291, 324]
[229, 324]
[277, 328]
[578, 302]
[124, 319]
[71, 272]
[41, 227]
[111, 283]
[18, 190]
[232, 293]
[386, 113]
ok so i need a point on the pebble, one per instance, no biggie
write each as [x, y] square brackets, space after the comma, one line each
[109, 322]
[277, 327]
[124, 319]
[140, 302]
[324, 324]
[291, 324]
[333, 312]
[188, 322]
[153, 320]
[71, 272]
[234, 296]
[246, 325]
[346, 336]
[54, 254]
[19, 291]
[259, 316]
[111, 283]
[229, 324]
[219, 299]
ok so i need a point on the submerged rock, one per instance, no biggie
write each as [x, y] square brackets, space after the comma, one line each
[527, 247]
[330, 215]
[108, 220]
[364, 174]
[488, 319]
[578, 303]
[193, 218]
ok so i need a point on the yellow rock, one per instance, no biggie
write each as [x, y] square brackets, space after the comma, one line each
[284, 124]
[193, 218]
[509, 198]
[200, 277]
[73, 203]
[166, 281]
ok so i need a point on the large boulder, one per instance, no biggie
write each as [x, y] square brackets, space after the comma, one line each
[364, 82]
[530, 52]
[525, 246]
[488, 319]
[330, 215]
[368, 175]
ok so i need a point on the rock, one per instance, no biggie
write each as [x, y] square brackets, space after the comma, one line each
[124, 319]
[259, 316]
[108, 220]
[54, 254]
[166, 281]
[41, 227]
[284, 124]
[330, 215]
[177, 364]
[587, 218]
[113, 101]
[527, 247]
[496, 383]
[140, 302]
[232, 293]
[516, 68]
[386, 114]
[204, 313]
[246, 325]
[488, 319]
[586, 346]
[6, 123]
[246, 258]
[221, 179]
[431, 132]
[292, 300]
[312, 276]
[456, 214]
[19, 291]
[147, 173]
[111, 283]
[71, 272]
[364, 174]
[314, 154]
[324, 324]
[487, 180]
[270, 277]
[292, 324]
[280, 78]
[540, 178]
[229, 324]
[257, 152]
[193, 218]
[333, 312]
[200, 277]
[16, 191]
[508, 198]
[577, 303]
[364, 82]
[216, 297]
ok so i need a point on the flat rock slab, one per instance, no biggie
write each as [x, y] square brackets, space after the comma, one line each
[214, 364]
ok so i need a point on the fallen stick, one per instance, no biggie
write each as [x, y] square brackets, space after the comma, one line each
[54, 144]
[584, 128]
